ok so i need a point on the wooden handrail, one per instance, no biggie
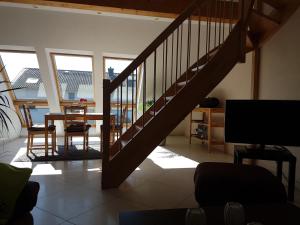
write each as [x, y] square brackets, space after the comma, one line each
[154, 45]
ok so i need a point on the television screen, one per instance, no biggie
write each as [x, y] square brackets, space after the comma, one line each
[264, 122]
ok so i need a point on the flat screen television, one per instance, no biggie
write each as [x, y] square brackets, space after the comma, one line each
[263, 122]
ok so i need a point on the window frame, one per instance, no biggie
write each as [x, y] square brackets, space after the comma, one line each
[63, 102]
[115, 58]
[121, 58]
[131, 106]
[19, 102]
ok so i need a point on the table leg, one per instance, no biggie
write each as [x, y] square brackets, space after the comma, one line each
[238, 160]
[46, 137]
[291, 183]
[279, 170]
[235, 158]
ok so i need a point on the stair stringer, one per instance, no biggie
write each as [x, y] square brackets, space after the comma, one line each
[142, 144]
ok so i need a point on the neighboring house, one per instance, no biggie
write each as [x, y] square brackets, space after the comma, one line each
[74, 84]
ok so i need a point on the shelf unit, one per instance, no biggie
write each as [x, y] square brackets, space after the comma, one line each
[210, 121]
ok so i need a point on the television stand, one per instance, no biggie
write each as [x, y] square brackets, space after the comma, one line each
[243, 152]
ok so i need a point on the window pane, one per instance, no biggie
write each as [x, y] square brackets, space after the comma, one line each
[113, 67]
[74, 76]
[117, 113]
[37, 114]
[23, 71]
[91, 110]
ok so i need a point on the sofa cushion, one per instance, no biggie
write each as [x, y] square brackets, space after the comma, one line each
[27, 198]
[12, 182]
[218, 183]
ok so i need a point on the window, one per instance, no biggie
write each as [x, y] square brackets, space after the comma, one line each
[112, 68]
[37, 114]
[22, 70]
[74, 76]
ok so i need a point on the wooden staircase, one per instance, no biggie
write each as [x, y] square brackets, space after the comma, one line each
[215, 35]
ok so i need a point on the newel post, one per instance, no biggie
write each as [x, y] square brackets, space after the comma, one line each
[243, 34]
[106, 128]
[245, 7]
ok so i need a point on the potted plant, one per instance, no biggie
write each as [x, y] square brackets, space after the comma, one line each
[6, 122]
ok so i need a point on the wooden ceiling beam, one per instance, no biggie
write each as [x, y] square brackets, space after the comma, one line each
[152, 8]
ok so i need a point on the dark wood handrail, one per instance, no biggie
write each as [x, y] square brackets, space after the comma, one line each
[154, 45]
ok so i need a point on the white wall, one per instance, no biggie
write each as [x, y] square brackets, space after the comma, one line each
[280, 70]
[50, 31]
[236, 85]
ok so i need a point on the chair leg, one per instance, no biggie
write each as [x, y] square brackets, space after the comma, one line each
[31, 142]
[53, 142]
[65, 144]
[84, 142]
[28, 143]
[87, 141]
[68, 144]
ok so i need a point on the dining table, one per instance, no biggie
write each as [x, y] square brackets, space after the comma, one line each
[61, 116]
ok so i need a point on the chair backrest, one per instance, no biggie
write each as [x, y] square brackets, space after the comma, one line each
[27, 115]
[75, 115]
[124, 116]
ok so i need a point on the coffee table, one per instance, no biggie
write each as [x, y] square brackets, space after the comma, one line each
[270, 214]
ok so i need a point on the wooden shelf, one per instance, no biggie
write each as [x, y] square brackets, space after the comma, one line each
[211, 122]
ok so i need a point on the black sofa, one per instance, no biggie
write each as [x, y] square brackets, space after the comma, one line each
[24, 204]
[218, 183]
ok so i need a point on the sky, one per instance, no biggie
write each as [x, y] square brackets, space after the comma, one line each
[118, 65]
[15, 63]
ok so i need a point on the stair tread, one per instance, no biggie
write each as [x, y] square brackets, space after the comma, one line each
[274, 4]
[265, 16]
[249, 44]
[260, 23]
[156, 111]
[182, 83]
[124, 142]
[199, 68]
[138, 127]
[168, 98]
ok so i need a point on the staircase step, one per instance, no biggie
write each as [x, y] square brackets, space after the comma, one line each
[124, 142]
[168, 98]
[275, 4]
[260, 23]
[156, 112]
[138, 128]
[249, 44]
[199, 68]
[183, 83]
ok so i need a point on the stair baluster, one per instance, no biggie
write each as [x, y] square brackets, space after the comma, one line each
[160, 56]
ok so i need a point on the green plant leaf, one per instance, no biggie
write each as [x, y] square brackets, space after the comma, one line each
[11, 89]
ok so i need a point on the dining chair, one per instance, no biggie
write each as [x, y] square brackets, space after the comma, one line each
[37, 129]
[75, 125]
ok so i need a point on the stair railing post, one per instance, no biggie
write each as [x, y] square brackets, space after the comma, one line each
[243, 33]
[106, 125]
[245, 7]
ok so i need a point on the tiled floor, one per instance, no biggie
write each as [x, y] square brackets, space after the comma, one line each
[71, 194]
